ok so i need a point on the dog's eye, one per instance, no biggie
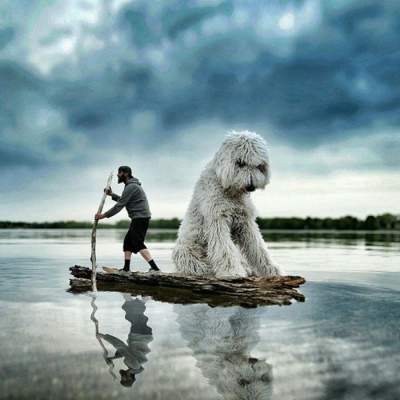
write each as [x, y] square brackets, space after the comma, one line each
[266, 377]
[240, 163]
[243, 382]
[262, 167]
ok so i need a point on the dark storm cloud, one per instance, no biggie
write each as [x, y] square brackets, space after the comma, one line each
[6, 36]
[12, 157]
[328, 68]
[16, 84]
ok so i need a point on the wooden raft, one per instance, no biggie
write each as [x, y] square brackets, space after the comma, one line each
[183, 289]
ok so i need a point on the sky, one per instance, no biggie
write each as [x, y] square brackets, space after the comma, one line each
[86, 86]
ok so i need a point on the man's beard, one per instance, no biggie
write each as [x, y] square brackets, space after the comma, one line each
[120, 179]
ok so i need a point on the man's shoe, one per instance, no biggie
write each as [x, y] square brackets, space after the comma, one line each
[123, 270]
[156, 269]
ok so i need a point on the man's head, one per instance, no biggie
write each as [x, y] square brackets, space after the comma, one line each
[124, 173]
[127, 377]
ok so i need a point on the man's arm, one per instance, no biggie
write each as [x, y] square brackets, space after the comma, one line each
[115, 197]
[108, 191]
[128, 192]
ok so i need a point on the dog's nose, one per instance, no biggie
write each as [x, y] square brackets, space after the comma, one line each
[250, 188]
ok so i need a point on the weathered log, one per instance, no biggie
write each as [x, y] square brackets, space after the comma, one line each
[183, 289]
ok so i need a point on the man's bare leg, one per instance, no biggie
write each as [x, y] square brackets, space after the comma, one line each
[145, 253]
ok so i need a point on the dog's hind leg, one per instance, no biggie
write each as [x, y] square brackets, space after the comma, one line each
[188, 262]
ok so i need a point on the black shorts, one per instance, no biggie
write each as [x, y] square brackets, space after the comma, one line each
[134, 238]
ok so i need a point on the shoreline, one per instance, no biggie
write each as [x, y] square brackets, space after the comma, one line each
[172, 230]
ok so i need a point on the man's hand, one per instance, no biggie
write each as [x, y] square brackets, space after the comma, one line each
[108, 191]
[99, 216]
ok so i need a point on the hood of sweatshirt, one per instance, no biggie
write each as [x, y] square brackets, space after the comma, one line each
[133, 180]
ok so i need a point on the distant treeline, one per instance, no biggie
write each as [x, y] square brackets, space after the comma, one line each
[371, 222]
[383, 221]
[172, 223]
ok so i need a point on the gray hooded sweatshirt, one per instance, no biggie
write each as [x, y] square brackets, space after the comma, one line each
[133, 198]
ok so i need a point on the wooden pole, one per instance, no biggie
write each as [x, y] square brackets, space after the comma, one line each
[93, 256]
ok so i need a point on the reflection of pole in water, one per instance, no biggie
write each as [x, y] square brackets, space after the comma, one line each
[98, 337]
[221, 340]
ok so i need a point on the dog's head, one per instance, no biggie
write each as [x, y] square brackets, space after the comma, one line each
[242, 162]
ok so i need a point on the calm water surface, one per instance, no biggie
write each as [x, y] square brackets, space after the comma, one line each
[342, 343]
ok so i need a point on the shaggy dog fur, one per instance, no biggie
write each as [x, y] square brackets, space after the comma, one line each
[218, 235]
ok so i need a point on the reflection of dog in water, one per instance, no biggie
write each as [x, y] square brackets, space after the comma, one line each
[221, 340]
[135, 350]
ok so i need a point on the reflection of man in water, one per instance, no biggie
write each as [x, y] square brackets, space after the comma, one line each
[140, 335]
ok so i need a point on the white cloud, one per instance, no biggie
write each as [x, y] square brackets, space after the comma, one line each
[301, 185]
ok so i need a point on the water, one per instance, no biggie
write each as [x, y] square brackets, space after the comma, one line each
[342, 343]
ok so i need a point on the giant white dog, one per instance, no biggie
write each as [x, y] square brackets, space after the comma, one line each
[218, 235]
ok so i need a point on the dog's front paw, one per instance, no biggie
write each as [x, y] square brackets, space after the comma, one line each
[231, 273]
[226, 274]
[276, 270]
[272, 270]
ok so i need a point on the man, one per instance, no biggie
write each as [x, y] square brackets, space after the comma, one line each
[134, 199]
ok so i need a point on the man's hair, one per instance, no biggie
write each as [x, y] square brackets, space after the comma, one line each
[127, 377]
[125, 168]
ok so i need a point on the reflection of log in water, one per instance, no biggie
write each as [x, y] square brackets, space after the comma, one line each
[221, 340]
[179, 288]
[134, 351]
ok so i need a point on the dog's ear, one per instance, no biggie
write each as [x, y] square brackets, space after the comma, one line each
[224, 166]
